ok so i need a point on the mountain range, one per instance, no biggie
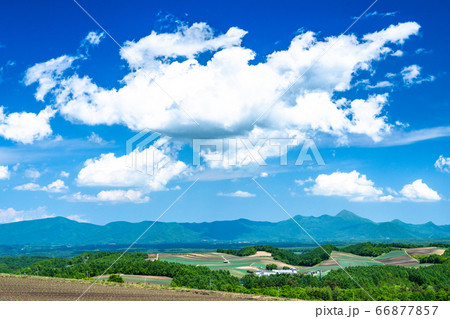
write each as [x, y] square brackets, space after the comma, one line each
[345, 226]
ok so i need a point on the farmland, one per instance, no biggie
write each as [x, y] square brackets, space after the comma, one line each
[397, 258]
[425, 251]
[24, 288]
[236, 265]
[240, 265]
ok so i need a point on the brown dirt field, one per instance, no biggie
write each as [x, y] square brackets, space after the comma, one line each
[261, 254]
[425, 251]
[28, 288]
[329, 262]
[399, 261]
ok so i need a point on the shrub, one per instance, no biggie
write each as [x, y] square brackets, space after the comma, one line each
[115, 278]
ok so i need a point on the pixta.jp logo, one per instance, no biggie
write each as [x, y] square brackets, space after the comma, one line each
[144, 152]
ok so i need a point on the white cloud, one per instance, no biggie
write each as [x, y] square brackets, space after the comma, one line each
[422, 50]
[185, 42]
[302, 182]
[94, 38]
[379, 14]
[47, 74]
[29, 187]
[26, 127]
[109, 170]
[419, 191]
[228, 92]
[264, 174]
[353, 185]
[115, 196]
[367, 117]
[95, 138]
[381, 84]
[394, 33]
[443, 164]
[11, 215]
[77, 218]
[387, 198]
[237, 194]
[4, 172]
[64, 174]
[398, 53]
[57, 186]
[32, 173]
[357, 187]
[411, 75]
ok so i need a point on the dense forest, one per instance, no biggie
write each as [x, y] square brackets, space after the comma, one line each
[377, 282]
[14, 264]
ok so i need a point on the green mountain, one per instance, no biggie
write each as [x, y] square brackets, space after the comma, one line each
[345, 226]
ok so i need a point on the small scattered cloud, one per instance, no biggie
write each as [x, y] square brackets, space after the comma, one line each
[57, 186]
[77, 218]
[95, 138]
[64, 174]
[411, 75]
[378, 14]
[390, 75]
[443, 164]
[381, 84]
[301, 182]
[264, 174]
[423, 51]
[94, 38]
[397, 53]
[32, 173]
[237, 194]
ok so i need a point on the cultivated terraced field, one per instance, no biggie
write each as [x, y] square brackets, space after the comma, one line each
[237, 266]
[351, 260]
[26, 288]
[397, 258]
[425, 251]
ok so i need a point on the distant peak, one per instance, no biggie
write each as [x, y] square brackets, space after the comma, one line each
[347, 214]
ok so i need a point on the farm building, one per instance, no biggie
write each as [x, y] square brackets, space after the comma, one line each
[260, 273]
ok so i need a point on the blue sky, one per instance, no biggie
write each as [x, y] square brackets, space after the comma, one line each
[375, 102]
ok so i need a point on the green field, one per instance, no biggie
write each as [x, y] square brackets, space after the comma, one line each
[350, 260]
[154, 280]
[391, 254]
[237, 266]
